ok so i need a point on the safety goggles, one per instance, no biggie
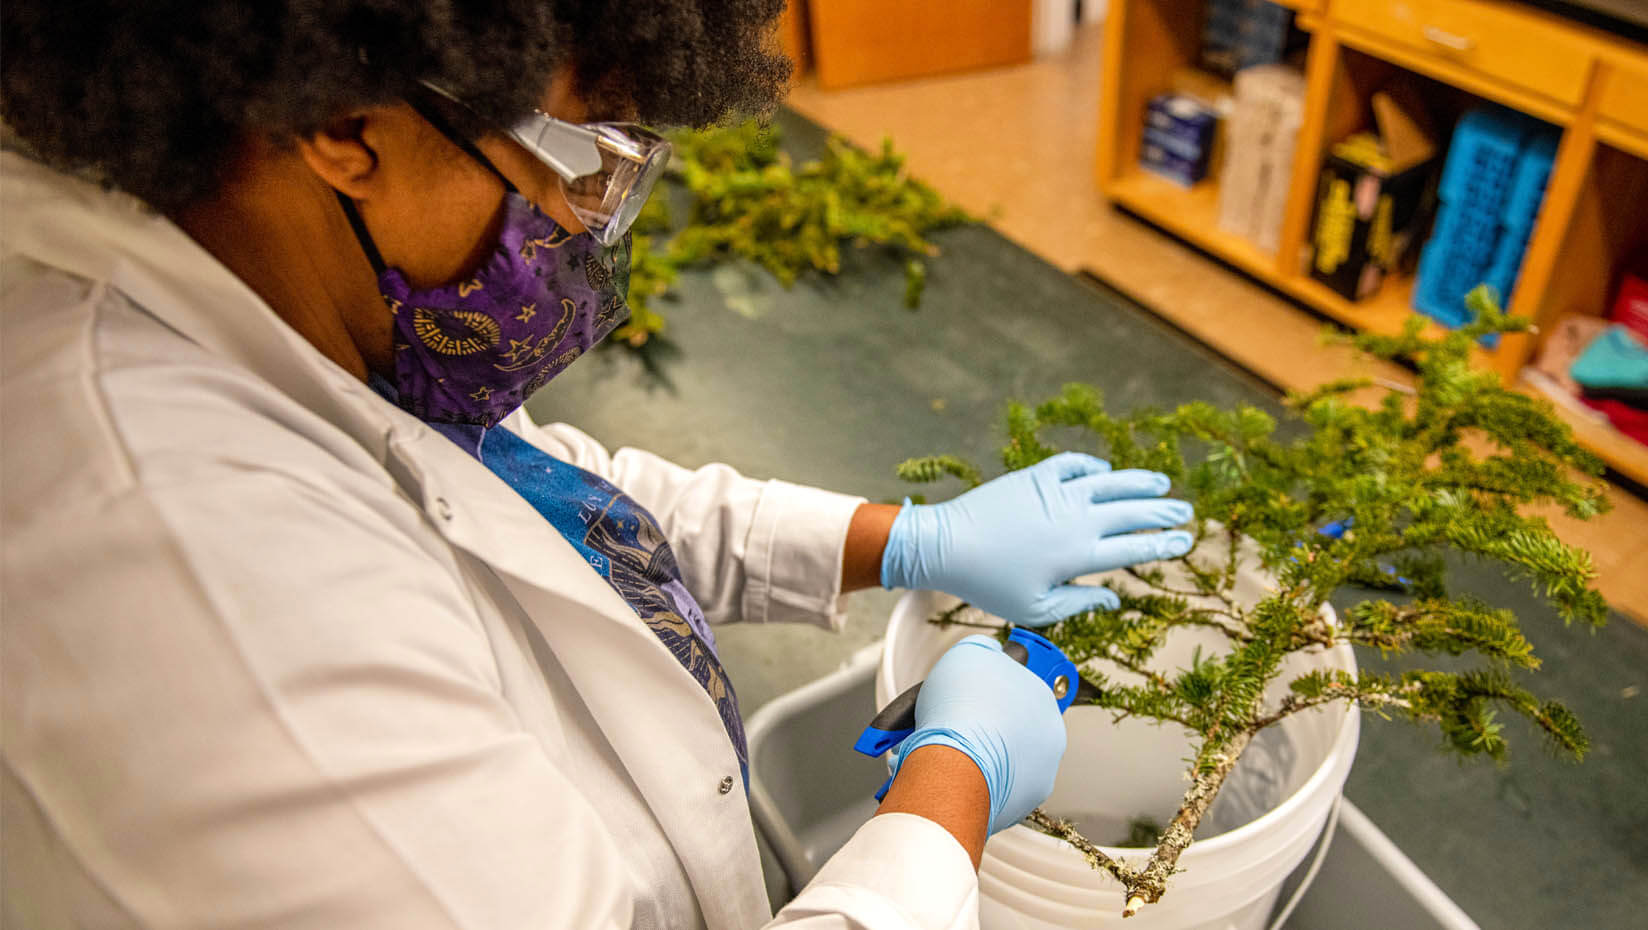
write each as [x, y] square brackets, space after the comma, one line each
[606, 170]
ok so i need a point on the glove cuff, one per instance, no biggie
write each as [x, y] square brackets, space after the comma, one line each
[901, 559]
[944, 736]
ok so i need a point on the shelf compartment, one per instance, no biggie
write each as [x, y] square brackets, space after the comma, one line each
[1603, 228]
[1190, 213]
[1193, 213]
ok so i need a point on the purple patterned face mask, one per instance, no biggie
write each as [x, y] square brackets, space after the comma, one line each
[473, 351]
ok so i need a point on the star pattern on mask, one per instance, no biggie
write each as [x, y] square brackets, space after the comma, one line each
[520, 350]
[529, 248]
[482, 393]
[528, 311]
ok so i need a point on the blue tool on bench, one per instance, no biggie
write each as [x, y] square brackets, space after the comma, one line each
[1337, 529]
[1049, 663]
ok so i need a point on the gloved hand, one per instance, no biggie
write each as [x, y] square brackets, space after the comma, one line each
[1000, 715]
[1010, 546]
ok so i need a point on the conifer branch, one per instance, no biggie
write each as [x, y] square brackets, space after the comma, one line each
[937, 467]
[1096, 857]
[1213, 766]
[1153, 581]
[1404, 483]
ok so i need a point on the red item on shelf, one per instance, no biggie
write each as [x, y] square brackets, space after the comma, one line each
[1631, 421]
[1631, 305]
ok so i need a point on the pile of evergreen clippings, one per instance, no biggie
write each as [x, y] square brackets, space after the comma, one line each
[749, 201]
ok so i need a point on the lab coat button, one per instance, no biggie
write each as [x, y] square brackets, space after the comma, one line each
[443, 508]
[726, 784]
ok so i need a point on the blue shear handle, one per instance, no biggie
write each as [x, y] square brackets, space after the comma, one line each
[889, 728]
[1048, 662]
[897, 720]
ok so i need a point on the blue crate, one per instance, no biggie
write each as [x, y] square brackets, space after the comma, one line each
[1502, 272]
[1458, 257]
[1491, 189]
[1440, 291]
[1470, 236]
[1528, 179]
[1482, 157]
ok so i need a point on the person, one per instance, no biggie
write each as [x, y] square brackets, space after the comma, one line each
[306, 623]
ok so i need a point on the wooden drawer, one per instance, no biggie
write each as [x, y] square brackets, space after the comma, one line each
[1624, 97]
[1513, 46]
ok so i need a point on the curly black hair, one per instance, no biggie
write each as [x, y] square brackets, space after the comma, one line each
[153, 96]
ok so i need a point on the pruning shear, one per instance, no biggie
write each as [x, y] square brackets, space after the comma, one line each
[1049, 663]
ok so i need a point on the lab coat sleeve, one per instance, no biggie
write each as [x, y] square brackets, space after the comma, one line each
[270, 705]
[760, 551]
[898, 872]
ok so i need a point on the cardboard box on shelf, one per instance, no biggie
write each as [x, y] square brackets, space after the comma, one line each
[1259, 140]
[1238, 34]
[1178, 137]
[1373, 199]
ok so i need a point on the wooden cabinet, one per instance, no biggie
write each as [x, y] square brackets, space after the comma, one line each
[1495, 39]
[1622, 105]
[864, 41]
[1591, 85]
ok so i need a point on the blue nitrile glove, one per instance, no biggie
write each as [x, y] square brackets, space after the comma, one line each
[997, 712]
[1010, 546]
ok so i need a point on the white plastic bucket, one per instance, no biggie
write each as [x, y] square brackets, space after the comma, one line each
[1264, 822]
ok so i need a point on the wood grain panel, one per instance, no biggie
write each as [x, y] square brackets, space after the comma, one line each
[1496, 39]
[792, 34]
[865, 41]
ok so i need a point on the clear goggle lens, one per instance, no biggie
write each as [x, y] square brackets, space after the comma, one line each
[607, 170]
[608, 201]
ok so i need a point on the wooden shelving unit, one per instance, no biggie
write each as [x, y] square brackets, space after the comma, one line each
[1193, 214]
[1589, 84]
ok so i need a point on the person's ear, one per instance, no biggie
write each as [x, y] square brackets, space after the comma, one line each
[339, 155]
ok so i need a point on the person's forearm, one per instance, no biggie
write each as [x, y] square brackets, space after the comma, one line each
[946, 787]
[866, 541]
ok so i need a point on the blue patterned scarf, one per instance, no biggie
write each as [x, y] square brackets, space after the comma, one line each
[622, 542]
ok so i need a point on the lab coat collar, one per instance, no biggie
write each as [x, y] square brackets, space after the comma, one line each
[616, 665]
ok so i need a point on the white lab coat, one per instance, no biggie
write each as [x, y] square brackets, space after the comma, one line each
[277, 654]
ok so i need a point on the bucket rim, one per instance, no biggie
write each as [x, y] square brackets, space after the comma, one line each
[1335, 764]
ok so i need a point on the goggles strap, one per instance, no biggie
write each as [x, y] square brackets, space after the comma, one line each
[443, 127]
[361, 235]
[430, 116]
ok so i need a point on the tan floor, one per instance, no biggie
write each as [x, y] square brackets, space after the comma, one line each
[1016, 145]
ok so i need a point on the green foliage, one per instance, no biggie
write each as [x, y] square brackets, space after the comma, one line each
[749, 201]
[1453, 466]
[651, 274]
[936, 467]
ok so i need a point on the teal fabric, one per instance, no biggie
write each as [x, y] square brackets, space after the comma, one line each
[1615, 359]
